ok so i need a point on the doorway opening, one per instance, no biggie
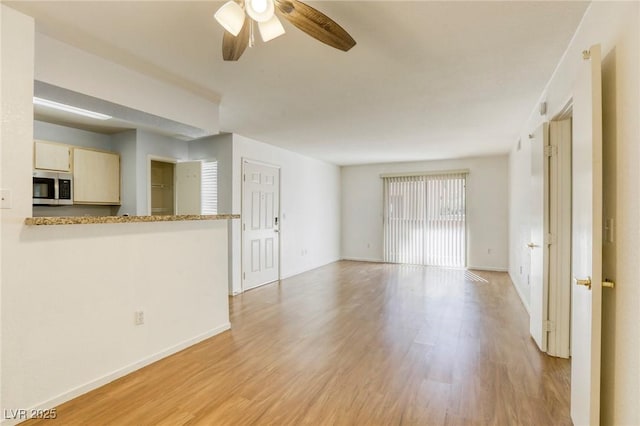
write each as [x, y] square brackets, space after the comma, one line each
[162, 193]
[550, 241]
[183, 187]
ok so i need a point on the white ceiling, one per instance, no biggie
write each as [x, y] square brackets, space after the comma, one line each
[427, 80]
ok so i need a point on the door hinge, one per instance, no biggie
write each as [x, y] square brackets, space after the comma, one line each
[550, 150]
[244, 177]
[549, 326]
[244, 275]
[549, 239]
[244, 226]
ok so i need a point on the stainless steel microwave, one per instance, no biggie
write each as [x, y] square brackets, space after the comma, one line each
[52, 188]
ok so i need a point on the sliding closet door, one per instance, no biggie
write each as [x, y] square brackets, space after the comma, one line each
[424, 219]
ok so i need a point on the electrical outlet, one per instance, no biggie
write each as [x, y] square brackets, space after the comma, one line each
[488, 251]
[139, 317]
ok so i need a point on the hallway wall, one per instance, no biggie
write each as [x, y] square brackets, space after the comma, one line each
[615, 26]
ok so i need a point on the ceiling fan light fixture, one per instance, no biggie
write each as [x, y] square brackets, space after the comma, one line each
[271, 29]
[260, 10]
[231, 17]
[301, 15]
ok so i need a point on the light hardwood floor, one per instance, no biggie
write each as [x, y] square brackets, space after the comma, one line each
[351, 343]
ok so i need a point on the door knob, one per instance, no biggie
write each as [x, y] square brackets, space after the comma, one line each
[531, 245]
[276, 230]
[586, 282]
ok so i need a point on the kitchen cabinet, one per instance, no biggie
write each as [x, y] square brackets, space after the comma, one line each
[52, 156]
[96, 177]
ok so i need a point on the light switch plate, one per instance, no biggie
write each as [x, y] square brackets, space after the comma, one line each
[5, 198]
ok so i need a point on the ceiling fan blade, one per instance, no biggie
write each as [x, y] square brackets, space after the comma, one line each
[233, 46]
[315, 23]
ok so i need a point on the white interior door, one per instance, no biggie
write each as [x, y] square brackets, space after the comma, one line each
[587, 241]
[559, 340]
[539, 222]
[188, 187]
[260, 224]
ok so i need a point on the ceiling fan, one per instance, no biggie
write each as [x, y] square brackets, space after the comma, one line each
[240, 17]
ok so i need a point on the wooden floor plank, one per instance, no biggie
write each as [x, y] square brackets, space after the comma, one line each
[351, 344]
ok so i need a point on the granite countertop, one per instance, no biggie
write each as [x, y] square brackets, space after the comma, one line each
[84, 220]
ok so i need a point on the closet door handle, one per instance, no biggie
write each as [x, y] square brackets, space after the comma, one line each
[584, 282]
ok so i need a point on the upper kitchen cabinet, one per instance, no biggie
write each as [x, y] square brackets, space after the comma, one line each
[96, 177]
[52, 156]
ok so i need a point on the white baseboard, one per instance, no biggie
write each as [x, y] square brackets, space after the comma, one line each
[289, 275]
[101, 381]
[478, 268]
[524, 302]
[488, 268]
[293, 274]
[362, 259]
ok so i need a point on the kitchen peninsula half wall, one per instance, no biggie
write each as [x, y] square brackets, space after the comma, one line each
[88, 220]
[107, 299]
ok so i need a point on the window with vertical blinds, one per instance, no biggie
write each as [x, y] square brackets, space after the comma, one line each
[425, 219]
[209, 187]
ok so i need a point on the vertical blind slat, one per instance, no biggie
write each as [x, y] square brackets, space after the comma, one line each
[424, 219]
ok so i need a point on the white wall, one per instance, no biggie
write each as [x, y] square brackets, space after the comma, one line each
[69, 323]
[519, 229]
[309, 207]
[3, 134]
[16, 140]
[487, 232]
[69, 292]
[614, 25]
[71, 68]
